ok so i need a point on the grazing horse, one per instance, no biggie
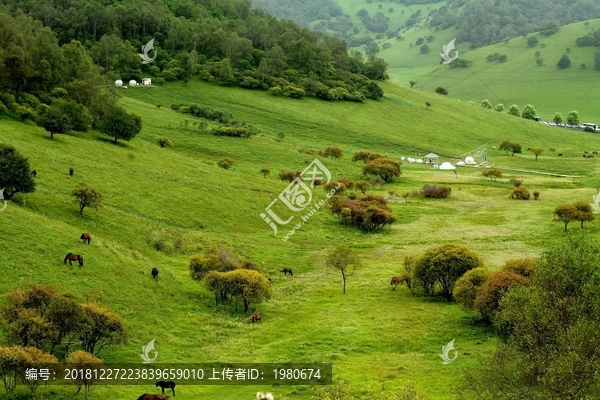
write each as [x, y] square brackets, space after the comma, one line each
[34, 173]
[594, 152]
[560, 155]
[71, 171]
[168, 385]
[396, 280]
[256, 317]
[147, 396]
[74, 257]
[85, 237]
[286, 271]
[551, 149]
[154, 275]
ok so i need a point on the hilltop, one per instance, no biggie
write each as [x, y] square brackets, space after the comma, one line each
[520, 80]
[164, 205]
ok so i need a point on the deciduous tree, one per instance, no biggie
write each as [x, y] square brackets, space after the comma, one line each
[345, 260]
[86, 196]
[15, 175]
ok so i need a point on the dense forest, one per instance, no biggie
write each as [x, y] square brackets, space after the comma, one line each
[301, 11]
[72, 50]
[481, 22]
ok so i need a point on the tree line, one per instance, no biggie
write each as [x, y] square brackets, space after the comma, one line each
[225, 42]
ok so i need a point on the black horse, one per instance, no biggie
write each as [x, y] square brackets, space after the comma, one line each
[287, 271]
[155, 274]
[166, 384]
[74, 257]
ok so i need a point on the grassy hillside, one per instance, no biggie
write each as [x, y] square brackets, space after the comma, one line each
[374, 336]
[521, 81]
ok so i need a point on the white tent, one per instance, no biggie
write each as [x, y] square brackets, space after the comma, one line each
[470, 161]
[447, 166]
[118, 83]
[431, 155]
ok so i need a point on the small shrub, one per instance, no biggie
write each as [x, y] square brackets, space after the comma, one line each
[536, 195]
[520, 266]
[436, 192]
[520, 193]
[333, 152]
[225, 162]
[289, 175]
[493, 173]
[516, 182]
[265, 172]
[164, 141]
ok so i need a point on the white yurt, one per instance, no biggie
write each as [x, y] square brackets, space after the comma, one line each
[460, 163]
[119, 83]
[132, 82]
[402, 158]
[470, 161]
[419, 161]
[447, 166]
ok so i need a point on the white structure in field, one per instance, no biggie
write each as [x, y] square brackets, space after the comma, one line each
[146, 81]
[447, 166]
[119, 83]
[132, 82]
[470, 161]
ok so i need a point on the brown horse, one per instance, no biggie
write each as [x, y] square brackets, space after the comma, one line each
[398, 280]
[74, 257]
[154, 275]
[168, 385]
[71, 171]
[85, 237]
[256, 317]
[147, 396]
[34, 173]
[287, 271]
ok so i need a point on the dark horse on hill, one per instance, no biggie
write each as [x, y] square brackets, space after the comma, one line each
[147, 396]
[85, 237]
[287, 271]
[167, 385]
[74, 257]
[155, 274]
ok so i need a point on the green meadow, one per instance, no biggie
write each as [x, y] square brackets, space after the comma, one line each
[520, 80]
[179, 201]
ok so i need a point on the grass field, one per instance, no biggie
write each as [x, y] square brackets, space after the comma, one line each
[373, 336]
[521, 81]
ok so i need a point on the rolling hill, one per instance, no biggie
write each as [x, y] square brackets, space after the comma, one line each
[520, 80]
[164, 205]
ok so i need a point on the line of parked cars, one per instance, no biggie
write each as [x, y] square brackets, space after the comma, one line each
[588, 127]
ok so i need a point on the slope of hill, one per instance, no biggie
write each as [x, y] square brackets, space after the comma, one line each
[520, 80]
[374, 336]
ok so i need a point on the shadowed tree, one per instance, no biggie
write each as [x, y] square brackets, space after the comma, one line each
[441, 91]
[15, 175]
[265, 172]
[120, 124]
[164, 141]
[573, 118]
[557, 118]
[55, 121]
[493, 173]
[467, 286]
[345, 260]
[333, 152]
